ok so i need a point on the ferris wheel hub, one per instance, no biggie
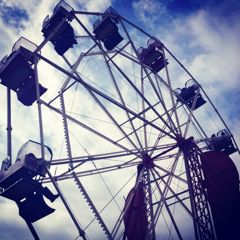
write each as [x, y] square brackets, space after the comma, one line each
[147, 161]
[185, 144]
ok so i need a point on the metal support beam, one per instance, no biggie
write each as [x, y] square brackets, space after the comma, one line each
[149, 206]
[9, 127]
[76, 179]
[113, 101]
[32, 230]
[81, 232]
[202, 221]
[74, 219]
[169, 212]
[92, 207]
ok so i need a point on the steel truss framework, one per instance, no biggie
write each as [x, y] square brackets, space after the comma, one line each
[154, 127]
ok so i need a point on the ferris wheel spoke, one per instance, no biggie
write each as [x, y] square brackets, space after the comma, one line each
[167, 112]
[122, 100]
[171, 124]
[163, 48]
[170, 173]
[174, 195]
[120, 166]
[112, 199]
[93, 95]
[122, 73]
[80, 80]
[141, 126]
[160, 136]
[171, 91]
[134, 59]
[142, 96]
[166, 188]
[190, 115]
[85, 126]
[90, 172]
[174, 107]
[150, 79]
[158, 93]
[167, 208]
[143, 110]
[105, 156]
[66, 84]
[199, 129]
[130, 163]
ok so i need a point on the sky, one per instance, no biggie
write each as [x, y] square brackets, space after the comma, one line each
[203, 35]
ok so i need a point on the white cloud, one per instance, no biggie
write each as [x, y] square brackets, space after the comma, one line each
[150, 11]
[93, 5]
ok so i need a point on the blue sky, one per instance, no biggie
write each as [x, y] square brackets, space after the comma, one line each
[13, 16]
[204, 35]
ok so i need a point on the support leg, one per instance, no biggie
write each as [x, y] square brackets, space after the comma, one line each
[33, 231]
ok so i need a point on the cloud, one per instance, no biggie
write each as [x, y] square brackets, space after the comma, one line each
[13, 16]
[92, 5]
[214, 64]
[206, 43]
[151, 12]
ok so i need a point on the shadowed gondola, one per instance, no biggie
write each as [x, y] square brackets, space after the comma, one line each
[58, 29]
[222, 142]
[17, 72]
[153, 56]
[21, 182]
[106, 29]
[190, 95]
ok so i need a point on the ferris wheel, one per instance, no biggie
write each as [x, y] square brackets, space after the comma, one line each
[123, 144]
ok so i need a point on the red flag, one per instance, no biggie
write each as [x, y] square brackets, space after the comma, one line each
[135, 217]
